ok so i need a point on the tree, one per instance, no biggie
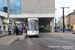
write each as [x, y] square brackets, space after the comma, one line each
[68, 26]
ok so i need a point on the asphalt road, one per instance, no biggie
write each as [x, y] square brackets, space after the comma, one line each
[45, 41]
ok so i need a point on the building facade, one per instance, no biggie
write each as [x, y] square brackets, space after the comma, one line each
[21, 10]
[71, 19]
[61, 21]
[58, 24]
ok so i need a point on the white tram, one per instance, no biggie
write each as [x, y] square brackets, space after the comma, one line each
[33, 29]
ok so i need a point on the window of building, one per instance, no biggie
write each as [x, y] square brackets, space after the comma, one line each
[14, 6]
[1, 5]
[72, 23]
[17, 6]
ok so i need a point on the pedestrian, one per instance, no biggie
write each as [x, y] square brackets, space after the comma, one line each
[14, 30]
[0, 30]
[9, 30]
[24, 29]
[21, 30]
[18, 30]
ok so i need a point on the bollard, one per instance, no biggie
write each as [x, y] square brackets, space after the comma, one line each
[6, 33]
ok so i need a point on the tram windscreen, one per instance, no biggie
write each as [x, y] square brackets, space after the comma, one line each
[32, 25]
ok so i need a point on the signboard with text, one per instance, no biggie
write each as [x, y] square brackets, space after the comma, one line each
[73, 27]
[6, 21]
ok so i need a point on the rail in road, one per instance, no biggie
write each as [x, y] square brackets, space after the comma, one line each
[41, 42]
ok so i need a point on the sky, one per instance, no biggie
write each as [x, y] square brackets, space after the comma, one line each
[63, 3]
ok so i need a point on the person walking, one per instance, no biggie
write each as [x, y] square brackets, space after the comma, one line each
[14, 30]
[24, 29]
[18, 30]
[21, 30]
[9, 30]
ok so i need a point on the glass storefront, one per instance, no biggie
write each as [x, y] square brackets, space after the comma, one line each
[14, 6]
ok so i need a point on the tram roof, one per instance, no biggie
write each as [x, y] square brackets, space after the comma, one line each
[32, 18]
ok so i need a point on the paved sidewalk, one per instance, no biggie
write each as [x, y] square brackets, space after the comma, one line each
[1, 35]
[8, 40]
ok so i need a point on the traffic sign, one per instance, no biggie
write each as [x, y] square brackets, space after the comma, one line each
[61, 25]
[6, 21]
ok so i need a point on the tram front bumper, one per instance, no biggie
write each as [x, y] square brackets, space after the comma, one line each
[31, 33]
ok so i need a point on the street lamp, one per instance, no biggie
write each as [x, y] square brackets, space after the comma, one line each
[63, 16]
[8, 12]
[55, 24]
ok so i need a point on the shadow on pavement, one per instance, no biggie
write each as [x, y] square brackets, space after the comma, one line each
[44, 31]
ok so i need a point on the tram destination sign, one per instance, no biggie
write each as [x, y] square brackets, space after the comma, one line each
[32, 21]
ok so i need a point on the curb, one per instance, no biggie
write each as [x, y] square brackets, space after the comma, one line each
[22, 37]
[15, 41]
[2, 36]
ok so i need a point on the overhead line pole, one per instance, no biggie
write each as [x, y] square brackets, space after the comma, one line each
[55, 24]
[63, 18]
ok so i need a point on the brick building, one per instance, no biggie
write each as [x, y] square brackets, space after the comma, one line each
[71, 19]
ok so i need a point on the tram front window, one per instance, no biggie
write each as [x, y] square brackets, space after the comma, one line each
[33, 26]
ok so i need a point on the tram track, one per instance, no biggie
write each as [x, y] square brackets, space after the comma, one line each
[43, 42]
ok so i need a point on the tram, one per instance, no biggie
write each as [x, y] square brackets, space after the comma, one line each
[33, 29]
